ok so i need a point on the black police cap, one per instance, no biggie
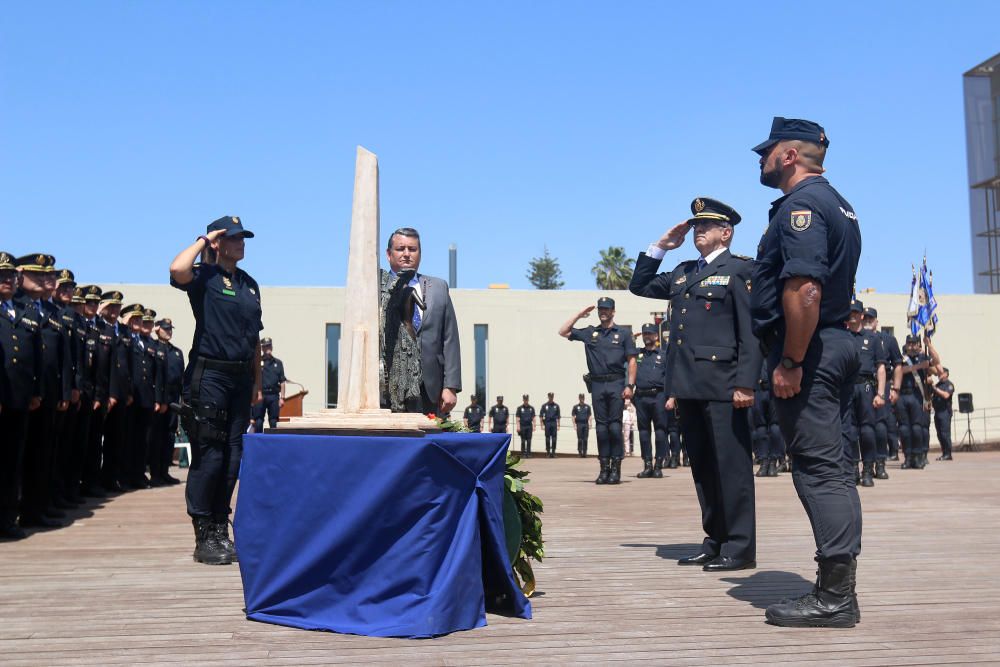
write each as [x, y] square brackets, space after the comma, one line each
[857, 306]
[786, 129]
[266, 342]
[524, 397]
[232, 225]
[712, 210]
[649, 328]
[36, 262]
[6, 261]
[166, 324]
[66, 277]
[605, 302]
[910, 338]
[871, 312]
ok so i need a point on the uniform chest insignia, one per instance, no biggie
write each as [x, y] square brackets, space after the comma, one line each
[681, 280]
[658, 357]
[715, 281]
[253, 291]
[594, 335]
[708, 305]
[91, 342]
[227, 282]
[748, 285]
[616, 338]
[866, 341]
[801, 220]
[640, 358]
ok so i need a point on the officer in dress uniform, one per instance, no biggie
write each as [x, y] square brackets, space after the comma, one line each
[803, 281]
[20, 391]
[769, 444]
[886, 431]
[499, 415]
[858, 424]
[525, 415]
[713, 365]
[146, 395]
[102, 336]
[581, 419]
[550, 416]
[165, 423]
[86, 381]
[611, 367]
[473, 415]
[66, 473]
[941, 399]
[650, 402]
[114, 449]
[272, 372]
[38, 282]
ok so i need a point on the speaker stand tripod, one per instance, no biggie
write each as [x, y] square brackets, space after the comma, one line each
[968, 443]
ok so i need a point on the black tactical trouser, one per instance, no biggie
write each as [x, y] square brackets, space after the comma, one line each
[767, 440]
[39, 450]
[113, 467]
[942, 424]
[912, 430]
[883, 417]
[551, 427]
[651, 420]
[525, 433]
[272, 406]
[582, 436]
[163, 432]
[136, 449]
[608, 406]
[859, 425]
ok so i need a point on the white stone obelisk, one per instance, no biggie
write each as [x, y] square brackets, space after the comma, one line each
[358, 381]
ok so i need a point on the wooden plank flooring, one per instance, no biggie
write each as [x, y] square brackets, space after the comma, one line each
[118, 586]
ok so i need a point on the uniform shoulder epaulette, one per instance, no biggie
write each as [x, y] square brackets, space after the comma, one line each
[743, 257]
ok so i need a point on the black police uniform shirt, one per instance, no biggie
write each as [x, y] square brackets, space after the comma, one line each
[272, 375]
[146, 391]
[21, 356]
[943, 404]
[120, 362]
[812, 233]
[910, 383]
[104, 359]
[650, 370]
[474, 415]
[607, 348]
[525, 414]
[550, 412]
[871, 350]
[227, 313]
[57, 370]
[173, 385]
[499, 414]
[581, 413]
[893, 357]
[712, 348]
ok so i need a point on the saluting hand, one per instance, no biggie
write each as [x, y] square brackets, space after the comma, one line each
[674, 237]
[786, 382]
[585, 312]
[742, 397]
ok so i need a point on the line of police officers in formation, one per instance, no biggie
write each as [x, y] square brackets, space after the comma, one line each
[85, 388]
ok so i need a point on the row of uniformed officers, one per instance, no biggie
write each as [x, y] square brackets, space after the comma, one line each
[85, 388]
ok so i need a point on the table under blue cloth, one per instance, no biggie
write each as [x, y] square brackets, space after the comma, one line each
[371, 535]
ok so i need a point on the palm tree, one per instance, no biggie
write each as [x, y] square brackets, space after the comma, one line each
[614, 269]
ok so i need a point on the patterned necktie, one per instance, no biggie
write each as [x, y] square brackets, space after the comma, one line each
[416, 318]
[701, 265]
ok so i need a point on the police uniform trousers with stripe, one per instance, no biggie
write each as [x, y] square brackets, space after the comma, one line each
[811, 423]
[718, 440]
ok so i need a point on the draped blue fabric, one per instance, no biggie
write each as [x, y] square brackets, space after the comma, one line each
[379, 536]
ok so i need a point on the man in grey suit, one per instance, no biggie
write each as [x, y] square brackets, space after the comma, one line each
[434, 323]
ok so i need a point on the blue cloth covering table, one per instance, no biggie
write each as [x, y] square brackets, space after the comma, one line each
[372, 535]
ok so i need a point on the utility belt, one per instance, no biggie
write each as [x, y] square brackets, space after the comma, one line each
[589, 379]
[907, 391]
[865, 379]
[268, 391]
[228, 367]
[639, 393]
[206, 422]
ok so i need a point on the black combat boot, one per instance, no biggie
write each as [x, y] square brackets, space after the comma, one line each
[922, 460]
[207, 548]
[830, 604]
[685, 460]
[880, 472]
[772, 468]
[658, 468]
[857, 474]
[907, 459]
[764, 465]
[647, 470]
[605, 471]
[867, 474]
[854, 591]
[673, 461]
[222, 535]
[783, 465]
[615, 476]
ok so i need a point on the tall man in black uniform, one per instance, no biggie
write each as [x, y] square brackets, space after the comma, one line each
[473, 415]
[525, 415]
[113, 461]
[76, 419]
[611, 356]
[101, 374]
[272, 372]
[941, 396]
[550, 415]
[499, 415]
[713, 364]
[869, 387]
[886, 430]
[650, 402]
[165, 423]
[803, 280]
[20, 391]
[914, 402]
[581, 419]
[38, 282]
[146, 393]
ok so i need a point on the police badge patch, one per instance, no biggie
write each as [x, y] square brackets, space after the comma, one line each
[801, 220]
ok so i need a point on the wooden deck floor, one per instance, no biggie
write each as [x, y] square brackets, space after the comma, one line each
[118, 586]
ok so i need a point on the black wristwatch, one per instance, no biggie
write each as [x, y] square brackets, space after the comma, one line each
[789, 363]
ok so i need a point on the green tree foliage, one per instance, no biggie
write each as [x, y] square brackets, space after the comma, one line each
[544, 272]
[614, 269]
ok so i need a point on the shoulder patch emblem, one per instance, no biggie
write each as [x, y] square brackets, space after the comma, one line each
[801, 220]
[681, 280]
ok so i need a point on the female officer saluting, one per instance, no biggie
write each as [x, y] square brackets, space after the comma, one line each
[222, 379]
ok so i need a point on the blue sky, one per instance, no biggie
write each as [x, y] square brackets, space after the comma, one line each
[502, 127]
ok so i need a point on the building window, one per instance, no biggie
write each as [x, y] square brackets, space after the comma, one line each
[482, 337]
[332, 363]
[890, 331]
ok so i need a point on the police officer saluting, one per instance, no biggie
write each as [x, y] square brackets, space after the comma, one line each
[473, 415]
[802, 284]
[550, 416]
[525, 415]
[222, 380]
[611, 356]
[713, 365]
[273, 379]
[650, 401]
[581, 418]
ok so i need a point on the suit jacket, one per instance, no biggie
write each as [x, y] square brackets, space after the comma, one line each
[712, 347]
[20, 357]
[440, 354]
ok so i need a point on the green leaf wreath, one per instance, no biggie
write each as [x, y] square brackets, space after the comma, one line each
[528, 508]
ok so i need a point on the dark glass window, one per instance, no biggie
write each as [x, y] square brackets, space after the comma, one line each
[332, 363]
[482, 358]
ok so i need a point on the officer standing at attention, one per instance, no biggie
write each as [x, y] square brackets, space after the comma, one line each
[114, 462]
[99, 377]
[713, 365]
[166, 422]
[581, 418]
[473, 415]
[913, 403]
[499, 415]
[65, 475]
[650, 401]
[611, 356]
[859, 421]
[942, 393]
[222, 380]
[803, 280]
[20, 391]
[768, 443]
[885, 417]
[525, 415]
[146, 397]
[550, 416]
[273, 376]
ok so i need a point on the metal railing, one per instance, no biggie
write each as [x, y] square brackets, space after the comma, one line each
[983, 424]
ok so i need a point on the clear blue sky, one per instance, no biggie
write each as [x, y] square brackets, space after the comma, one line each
[502, 127]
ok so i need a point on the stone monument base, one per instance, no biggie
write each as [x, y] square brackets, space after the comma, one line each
[363, 422]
